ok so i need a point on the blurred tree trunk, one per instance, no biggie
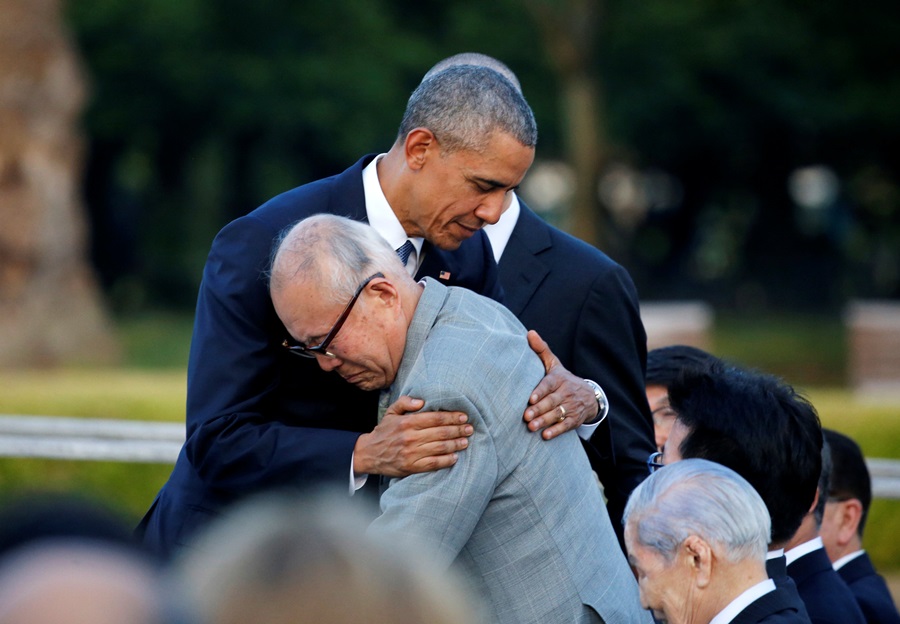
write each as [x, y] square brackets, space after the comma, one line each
[50, 310]
[569, 29]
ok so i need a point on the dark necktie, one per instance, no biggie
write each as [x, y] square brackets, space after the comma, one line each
[404, 250]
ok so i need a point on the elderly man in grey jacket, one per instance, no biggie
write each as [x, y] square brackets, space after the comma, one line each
[522, 516]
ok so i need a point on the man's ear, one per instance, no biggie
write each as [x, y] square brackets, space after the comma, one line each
[384, 291]
[815, 502]
[419, 142]
[850, 516]
[699, 557]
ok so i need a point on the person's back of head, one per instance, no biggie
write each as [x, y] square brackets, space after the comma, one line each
[665, 364]
[824, 483]
[704, 498]
[759, 426]
[80, 581]
[849, 497]
[464, 105]
[850, 476]
[281, 559]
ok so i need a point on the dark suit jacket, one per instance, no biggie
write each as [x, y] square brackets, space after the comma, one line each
[257, 416]
[781, 606]
[871, 592]
[827, 598]
[776, 568]
[586, 307]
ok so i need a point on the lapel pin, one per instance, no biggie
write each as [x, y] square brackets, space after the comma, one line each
[444, 275]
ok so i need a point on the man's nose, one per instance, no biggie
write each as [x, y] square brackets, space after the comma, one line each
[326, 363]
[492, 207]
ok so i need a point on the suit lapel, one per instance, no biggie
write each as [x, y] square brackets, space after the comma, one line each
[521, 268]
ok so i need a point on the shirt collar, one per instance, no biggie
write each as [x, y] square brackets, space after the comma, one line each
[499, 232]
[840, 563]
[380, 214]
[743, 601]
[803, 549]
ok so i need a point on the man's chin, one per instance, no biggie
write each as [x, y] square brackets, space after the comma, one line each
[450, 241]
[364, 382]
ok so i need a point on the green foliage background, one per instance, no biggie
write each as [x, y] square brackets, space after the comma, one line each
[203, 109]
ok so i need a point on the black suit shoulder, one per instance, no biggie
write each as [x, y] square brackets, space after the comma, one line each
[827, 598]
[870, 590]
[781, 606]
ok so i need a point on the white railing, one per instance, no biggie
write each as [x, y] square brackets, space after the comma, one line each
[55, 437]
[99, 439]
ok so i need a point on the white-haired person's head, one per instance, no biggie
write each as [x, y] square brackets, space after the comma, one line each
[697, 535]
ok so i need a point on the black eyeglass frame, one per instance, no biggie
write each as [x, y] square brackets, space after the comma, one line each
[322, 347]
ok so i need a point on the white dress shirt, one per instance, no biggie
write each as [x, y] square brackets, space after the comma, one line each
[382, 217]
[500, 232]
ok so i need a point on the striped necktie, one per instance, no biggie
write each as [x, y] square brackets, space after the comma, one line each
[404, 250]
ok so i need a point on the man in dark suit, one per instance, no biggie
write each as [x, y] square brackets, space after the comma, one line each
[697, 534]
[259, 417]
[758, 426]
[843, 523]
[827, 598]
[585, 307]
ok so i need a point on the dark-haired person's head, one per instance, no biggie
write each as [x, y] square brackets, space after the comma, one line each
[757, 425]
[849, 497]
[664, 366]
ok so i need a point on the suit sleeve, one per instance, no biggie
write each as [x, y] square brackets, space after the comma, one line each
[612, 350]
[238, 438]
[442, 508]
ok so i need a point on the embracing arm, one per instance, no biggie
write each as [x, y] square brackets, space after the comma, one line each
[258, 416]
[562, 401]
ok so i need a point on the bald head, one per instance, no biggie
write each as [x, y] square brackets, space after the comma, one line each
[334, 252]
[344, 297]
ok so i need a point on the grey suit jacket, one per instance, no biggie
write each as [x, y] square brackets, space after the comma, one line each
[523, 517]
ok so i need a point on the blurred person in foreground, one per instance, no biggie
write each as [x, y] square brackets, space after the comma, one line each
[664, 365]
[260, 417]
[585, 306]
[521, 516]
[843, 524]
[697, 535]
[760, 427]
[827, 598]
[79, 582]
[286, 559]
[66, 558]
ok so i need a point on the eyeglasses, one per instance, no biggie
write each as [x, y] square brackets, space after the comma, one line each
[321, 348]
[654, 462]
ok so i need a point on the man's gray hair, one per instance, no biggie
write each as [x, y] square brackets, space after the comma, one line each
[464, 105]
[336, 252]
[479, 60]
[702, 498]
